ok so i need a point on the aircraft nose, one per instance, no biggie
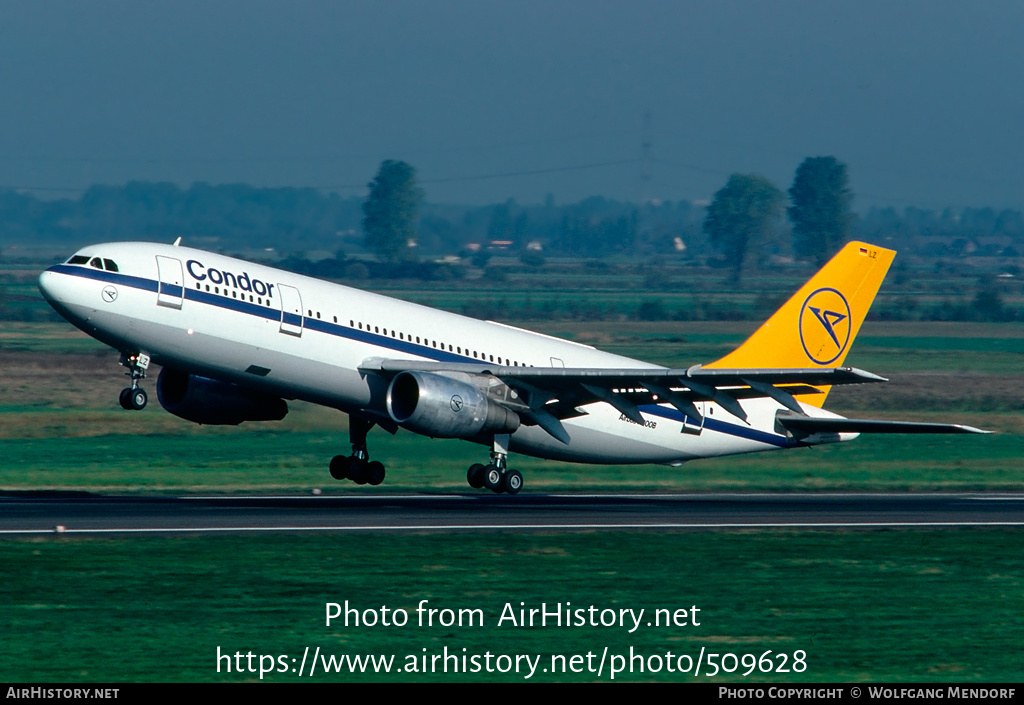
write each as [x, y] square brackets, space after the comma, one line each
[50, 285]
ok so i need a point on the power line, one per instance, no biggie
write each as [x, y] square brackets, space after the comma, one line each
[503, 175]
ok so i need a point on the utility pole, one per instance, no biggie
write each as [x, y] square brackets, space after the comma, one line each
[645, 159]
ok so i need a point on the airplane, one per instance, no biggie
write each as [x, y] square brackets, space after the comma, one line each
[236, 339]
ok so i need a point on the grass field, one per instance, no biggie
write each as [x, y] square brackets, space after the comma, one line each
[862, 606]
[915, 605]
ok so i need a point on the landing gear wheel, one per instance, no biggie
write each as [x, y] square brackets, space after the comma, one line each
[513, 481]
[375, 472]
[493, 479]
[134, 397]
[475, 476]
[357, 471]
[138, 399]
[339, 467]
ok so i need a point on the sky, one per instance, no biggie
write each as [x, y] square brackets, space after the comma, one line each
[525, 99]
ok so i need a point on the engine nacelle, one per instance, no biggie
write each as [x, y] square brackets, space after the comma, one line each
[440, 407]
[211, 402]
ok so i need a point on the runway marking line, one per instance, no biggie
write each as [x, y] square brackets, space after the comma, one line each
[517, 527]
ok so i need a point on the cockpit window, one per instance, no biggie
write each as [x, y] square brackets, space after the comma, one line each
[97, 262]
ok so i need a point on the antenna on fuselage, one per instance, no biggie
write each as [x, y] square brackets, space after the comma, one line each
[177, 243]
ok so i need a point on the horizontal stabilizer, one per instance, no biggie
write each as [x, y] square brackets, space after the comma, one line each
[804, 426]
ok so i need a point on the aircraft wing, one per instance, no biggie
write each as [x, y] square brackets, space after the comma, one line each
[806, 426]
[544, 396]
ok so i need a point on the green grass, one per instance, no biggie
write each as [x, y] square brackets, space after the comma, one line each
[877, 606]
[279, 461]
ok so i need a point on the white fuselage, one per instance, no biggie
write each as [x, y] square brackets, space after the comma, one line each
[301, 338]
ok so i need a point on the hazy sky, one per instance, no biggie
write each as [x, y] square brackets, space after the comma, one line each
[924, 100]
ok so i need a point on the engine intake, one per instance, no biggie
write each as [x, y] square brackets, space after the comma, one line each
[215, 403]
[440, 407]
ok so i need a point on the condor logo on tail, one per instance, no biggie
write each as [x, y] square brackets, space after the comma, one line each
[825, 325]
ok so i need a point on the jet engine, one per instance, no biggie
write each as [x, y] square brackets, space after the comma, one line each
[441, 407]
[211, 402]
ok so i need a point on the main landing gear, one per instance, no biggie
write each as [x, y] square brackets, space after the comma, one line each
[358, 467]
[497, 476]
[134, 398]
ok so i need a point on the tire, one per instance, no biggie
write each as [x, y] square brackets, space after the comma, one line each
[513, 481]
[375, 473]
[357, 471]
[138, 399]
[493, 479]
[339, 467]
[125, 399]
[475, 476]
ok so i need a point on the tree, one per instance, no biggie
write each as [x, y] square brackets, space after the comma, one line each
[820, 212]
[742, 216]
[391, 211]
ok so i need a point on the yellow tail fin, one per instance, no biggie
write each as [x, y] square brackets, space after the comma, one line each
[816, 327]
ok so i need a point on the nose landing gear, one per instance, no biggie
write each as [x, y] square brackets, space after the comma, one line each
[134, 398]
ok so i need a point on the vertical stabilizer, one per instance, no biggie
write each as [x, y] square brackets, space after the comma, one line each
[818, 324]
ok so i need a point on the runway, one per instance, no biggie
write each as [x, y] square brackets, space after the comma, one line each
[35, 513]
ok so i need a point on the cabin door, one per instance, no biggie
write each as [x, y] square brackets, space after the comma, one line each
[170, 291]
[291, 310]
[693, 426]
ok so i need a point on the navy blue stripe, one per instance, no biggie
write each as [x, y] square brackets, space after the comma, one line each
[721, 426]
[383, 341]
[104, 276]
[250, 309]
